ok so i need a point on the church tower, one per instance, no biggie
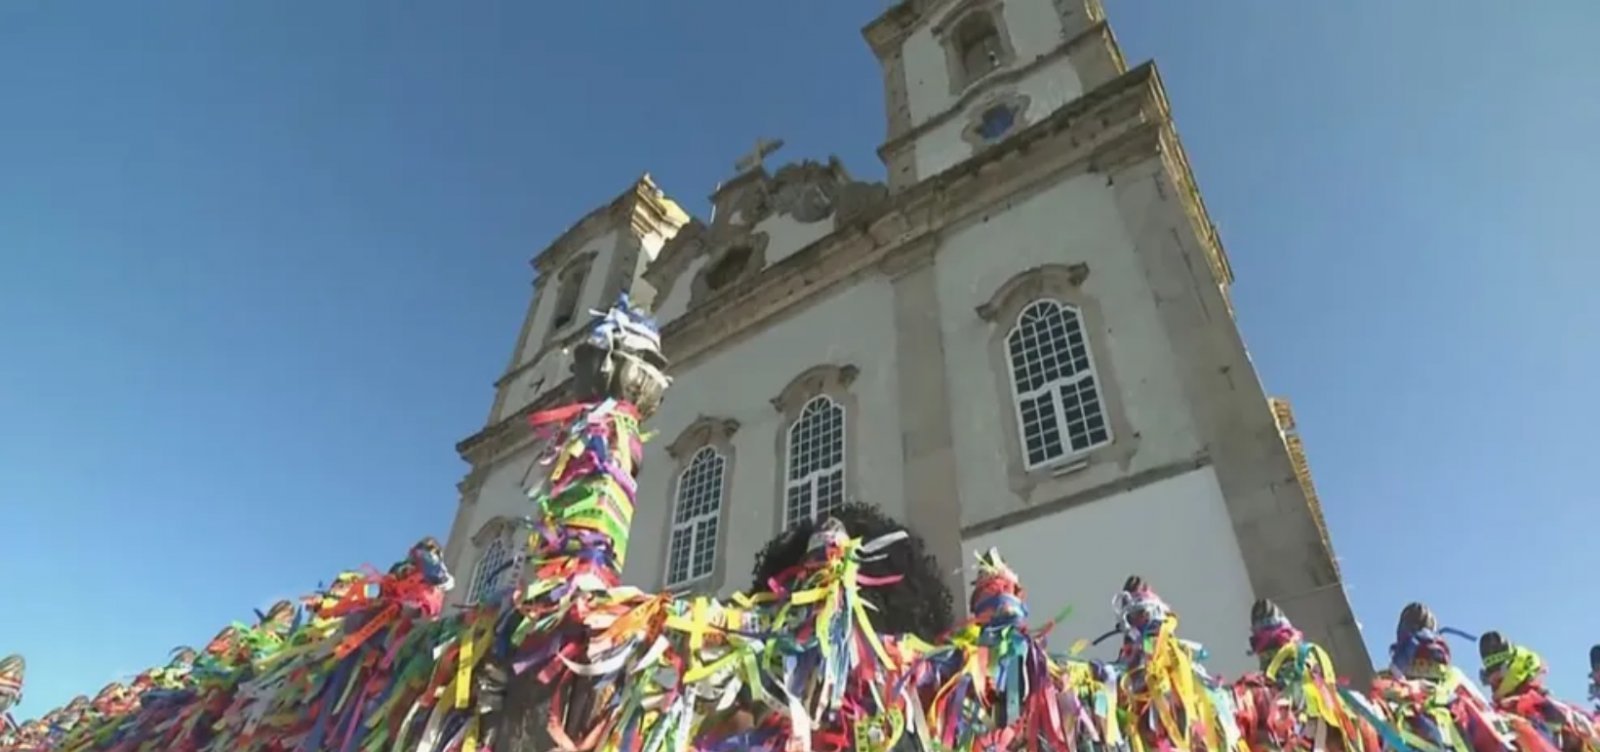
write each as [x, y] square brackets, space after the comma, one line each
[961, 76]
[604, 254]
[1023, 340]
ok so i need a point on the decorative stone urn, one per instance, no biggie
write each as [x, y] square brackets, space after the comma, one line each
[621, 359]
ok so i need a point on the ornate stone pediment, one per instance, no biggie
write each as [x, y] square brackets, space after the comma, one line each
[827, 379]
[704, 431]
[812, 191]
[808, 192]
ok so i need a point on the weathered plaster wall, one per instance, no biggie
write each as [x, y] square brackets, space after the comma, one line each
[789, 234]
[1174, 533]
[1075, 221]
[927, 77]
[529, 382]
[853, 327]
[1047, 88]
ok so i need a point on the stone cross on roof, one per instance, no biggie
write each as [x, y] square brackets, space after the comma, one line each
[751, 161]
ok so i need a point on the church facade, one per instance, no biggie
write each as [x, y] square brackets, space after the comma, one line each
[1023, 339]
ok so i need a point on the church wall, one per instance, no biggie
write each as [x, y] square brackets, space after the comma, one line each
[1047, 89]
[674, 301]
[1071, 222]
[854, 326]
[1174, 533]
[527, 384]
[504, 491]
[789, 234]
[502, 494]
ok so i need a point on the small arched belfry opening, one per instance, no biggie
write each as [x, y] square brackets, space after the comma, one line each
[569, 293]
[976, 44]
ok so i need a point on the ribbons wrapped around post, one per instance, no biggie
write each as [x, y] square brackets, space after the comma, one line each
[374, 663]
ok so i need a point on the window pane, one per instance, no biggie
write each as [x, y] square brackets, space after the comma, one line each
[1048, 353]
[697, 514]
[705, 549]
[488, 572]
[1040, 434]
[797, 505]
[678, 560]
[830, 493]
[1081, 407]
[816, 440]
[815, 476]
[700, 486]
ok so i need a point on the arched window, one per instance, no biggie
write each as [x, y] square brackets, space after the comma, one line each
[814, 481]
[494, 571]
[1058, 403]
[697, 511]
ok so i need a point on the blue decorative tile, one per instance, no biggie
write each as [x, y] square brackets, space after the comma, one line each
[997, 121]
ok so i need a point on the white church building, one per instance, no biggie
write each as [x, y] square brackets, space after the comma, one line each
[1024, 340]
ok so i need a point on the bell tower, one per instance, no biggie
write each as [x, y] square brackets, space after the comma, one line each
[602, 255]
[962, 75]
[599, 257]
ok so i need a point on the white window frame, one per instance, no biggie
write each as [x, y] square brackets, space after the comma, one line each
[813, 480]
[688, 526]
[1068, 453]
[484, 578]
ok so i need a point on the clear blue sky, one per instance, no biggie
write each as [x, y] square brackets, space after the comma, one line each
[261, 261]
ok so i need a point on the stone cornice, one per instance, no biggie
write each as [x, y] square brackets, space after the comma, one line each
[1284, 415]
[484, 446]
[1194, 204]
[885, 32]
[653, 212]
[1117, 122]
